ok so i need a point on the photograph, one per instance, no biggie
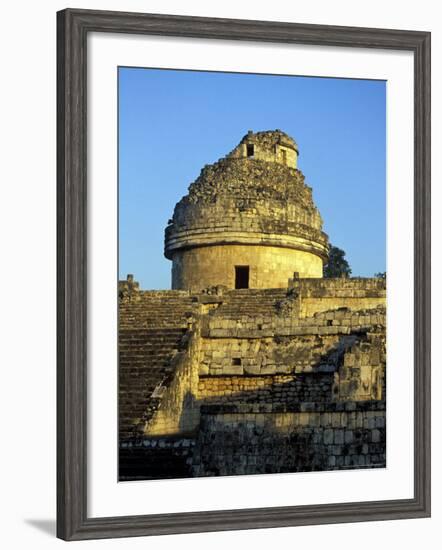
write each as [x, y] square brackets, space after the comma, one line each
[218, 253]
[251, 274]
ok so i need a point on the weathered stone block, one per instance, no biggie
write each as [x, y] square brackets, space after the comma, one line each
[338, 437]
[233, 370]
[328, 437]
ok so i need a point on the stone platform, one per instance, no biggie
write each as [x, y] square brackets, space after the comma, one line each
[227, 382]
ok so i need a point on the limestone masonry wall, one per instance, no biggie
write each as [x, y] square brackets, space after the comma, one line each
[270, 267]
[355, 294]
[253, 442]
[178, 412]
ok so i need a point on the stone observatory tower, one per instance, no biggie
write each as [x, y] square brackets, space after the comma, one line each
[248, 221]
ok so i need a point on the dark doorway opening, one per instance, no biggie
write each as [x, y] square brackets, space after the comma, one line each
[241, 276]
[250, 149]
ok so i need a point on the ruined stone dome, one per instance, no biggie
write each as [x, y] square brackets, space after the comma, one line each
[253, 196]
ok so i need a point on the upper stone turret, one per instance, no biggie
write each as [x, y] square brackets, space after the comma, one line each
[270, 146]
[253, 210]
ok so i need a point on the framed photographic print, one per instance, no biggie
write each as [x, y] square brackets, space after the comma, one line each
[243, 274]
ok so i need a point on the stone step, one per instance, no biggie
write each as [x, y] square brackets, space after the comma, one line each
[144, 362]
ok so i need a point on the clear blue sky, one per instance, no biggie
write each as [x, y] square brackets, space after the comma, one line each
[172, 123]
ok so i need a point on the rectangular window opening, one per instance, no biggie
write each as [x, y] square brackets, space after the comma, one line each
[236, 361]
[241, 276]
[250, 149]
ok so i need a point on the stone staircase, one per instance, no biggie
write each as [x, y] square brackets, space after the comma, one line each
[154, 309]
[144, 368]
[251, 302]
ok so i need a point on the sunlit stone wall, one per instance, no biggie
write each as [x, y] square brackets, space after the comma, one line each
[269, 267]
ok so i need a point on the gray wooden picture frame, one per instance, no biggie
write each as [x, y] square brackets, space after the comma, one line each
[73, 27]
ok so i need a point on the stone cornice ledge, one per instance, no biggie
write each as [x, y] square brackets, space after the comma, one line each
[180, 241]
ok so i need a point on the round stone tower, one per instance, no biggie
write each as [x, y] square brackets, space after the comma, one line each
[248, 221]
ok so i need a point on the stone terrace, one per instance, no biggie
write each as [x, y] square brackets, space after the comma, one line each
[285, 362]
